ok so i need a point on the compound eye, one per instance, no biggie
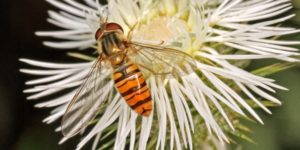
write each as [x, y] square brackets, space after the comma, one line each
[113, 27]
[98, 34]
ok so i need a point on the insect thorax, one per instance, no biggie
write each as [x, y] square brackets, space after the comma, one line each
[112, 43]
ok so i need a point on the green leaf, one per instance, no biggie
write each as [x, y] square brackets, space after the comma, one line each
[274, 68]
[266, 103]
[81, 56]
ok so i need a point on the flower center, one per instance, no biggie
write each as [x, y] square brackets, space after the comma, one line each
[158, 29]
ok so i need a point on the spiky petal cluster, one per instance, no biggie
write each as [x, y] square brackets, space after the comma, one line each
[220, 35]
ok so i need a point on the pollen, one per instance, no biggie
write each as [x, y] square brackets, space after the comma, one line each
[158, 29]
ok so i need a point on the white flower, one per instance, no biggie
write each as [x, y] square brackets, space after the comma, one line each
[219, 34]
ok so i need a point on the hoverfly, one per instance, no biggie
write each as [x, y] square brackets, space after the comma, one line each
[128, 62]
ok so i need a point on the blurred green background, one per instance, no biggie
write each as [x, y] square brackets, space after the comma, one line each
[21, 126]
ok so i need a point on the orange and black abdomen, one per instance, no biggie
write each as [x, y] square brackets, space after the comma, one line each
[131, 84]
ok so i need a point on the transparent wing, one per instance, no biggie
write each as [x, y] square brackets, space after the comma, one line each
[160, 60]
[85, 103]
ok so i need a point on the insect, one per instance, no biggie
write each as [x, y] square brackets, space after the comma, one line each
[126, 62]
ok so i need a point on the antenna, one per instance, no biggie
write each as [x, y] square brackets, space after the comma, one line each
[104, 12]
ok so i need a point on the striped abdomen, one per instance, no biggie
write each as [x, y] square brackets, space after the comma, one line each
[131, 84]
